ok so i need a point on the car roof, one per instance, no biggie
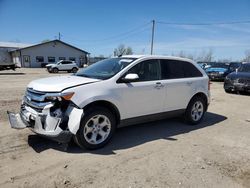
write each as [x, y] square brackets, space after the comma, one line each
[157, 56]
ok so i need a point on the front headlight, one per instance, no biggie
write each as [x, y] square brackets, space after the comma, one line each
[59, 96]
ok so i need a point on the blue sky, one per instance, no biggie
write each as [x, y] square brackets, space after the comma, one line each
[100, 26]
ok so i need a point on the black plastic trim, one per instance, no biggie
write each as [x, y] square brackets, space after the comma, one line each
[151, 117]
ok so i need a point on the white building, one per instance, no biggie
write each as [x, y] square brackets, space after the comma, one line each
[48, 52]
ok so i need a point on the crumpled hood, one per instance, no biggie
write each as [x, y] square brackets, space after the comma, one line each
[216, 69]
[58, 83]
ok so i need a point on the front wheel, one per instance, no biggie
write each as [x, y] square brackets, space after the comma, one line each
[55, 70]
[195, 111]
[97, 127]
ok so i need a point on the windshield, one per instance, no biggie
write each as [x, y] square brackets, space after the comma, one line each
[105, 69]
[244, 68]
[220, 65]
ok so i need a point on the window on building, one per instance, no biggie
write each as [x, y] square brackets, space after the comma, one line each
[62, 58]
[39, 59]
[51, 59]
[72, 59]
[26, 58]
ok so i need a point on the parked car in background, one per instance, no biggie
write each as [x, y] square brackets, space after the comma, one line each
[218, 71]
[113, 93]
[204, 65]
[63, 65]
[238, 80]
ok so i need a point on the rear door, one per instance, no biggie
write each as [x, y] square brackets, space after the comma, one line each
[64, 65]
[180, 79]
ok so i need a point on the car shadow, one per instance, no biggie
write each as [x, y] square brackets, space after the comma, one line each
[12, 73]
[132, 136]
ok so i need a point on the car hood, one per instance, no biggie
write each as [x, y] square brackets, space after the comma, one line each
[59, 83]
[235, 75]
[216, 69]
[50, 65]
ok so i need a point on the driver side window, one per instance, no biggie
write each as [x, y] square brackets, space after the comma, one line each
[148, 70]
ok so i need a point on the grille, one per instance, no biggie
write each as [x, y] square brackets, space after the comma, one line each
[35, 99]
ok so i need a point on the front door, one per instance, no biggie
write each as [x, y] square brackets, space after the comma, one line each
[26, 60]
[144, 96]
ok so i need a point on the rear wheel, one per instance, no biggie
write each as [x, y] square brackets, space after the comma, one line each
[74, 70]
[97, 127]
[195, 110]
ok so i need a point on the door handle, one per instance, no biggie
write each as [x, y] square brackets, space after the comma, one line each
[159, 85]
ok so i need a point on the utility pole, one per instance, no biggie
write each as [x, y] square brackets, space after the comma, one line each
[153, 33]
[59, 36]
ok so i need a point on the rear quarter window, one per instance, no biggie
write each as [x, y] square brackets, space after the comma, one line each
[174, 69]
[190, 70]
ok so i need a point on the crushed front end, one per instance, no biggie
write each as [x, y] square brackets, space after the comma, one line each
[52, 115]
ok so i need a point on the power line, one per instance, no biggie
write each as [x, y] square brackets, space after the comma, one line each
[134, 30]
[211, 23]
[113, 40]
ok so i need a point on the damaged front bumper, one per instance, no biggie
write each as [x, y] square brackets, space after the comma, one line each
[53, 123]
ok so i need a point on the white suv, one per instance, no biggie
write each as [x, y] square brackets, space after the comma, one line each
[63, 65]
[113, 93]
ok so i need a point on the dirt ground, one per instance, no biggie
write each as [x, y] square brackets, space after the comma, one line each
[166, 153]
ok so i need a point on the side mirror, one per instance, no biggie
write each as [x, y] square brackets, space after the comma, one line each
[130, 77]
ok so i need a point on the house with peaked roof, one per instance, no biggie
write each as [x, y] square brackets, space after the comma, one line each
[39, 55]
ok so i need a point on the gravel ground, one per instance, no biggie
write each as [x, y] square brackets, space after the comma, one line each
[166, 153]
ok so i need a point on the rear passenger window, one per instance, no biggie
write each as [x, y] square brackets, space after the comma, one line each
[174, 69]
[171, 69]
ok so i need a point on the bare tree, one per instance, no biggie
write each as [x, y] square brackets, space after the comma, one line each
[184, 55]
[225, 60]
[247, 56]
[206, 56]
[122, 50]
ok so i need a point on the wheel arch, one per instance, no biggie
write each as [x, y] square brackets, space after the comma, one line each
[202, 95]
[110, 106]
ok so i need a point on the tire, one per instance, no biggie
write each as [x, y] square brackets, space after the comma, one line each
[74, 70]
[91, 134]
[195, 111]
[228, 91]
[55, 70]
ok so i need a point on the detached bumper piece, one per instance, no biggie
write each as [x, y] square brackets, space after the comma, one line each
[43, 124]
[16, 121]
[52, 118]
